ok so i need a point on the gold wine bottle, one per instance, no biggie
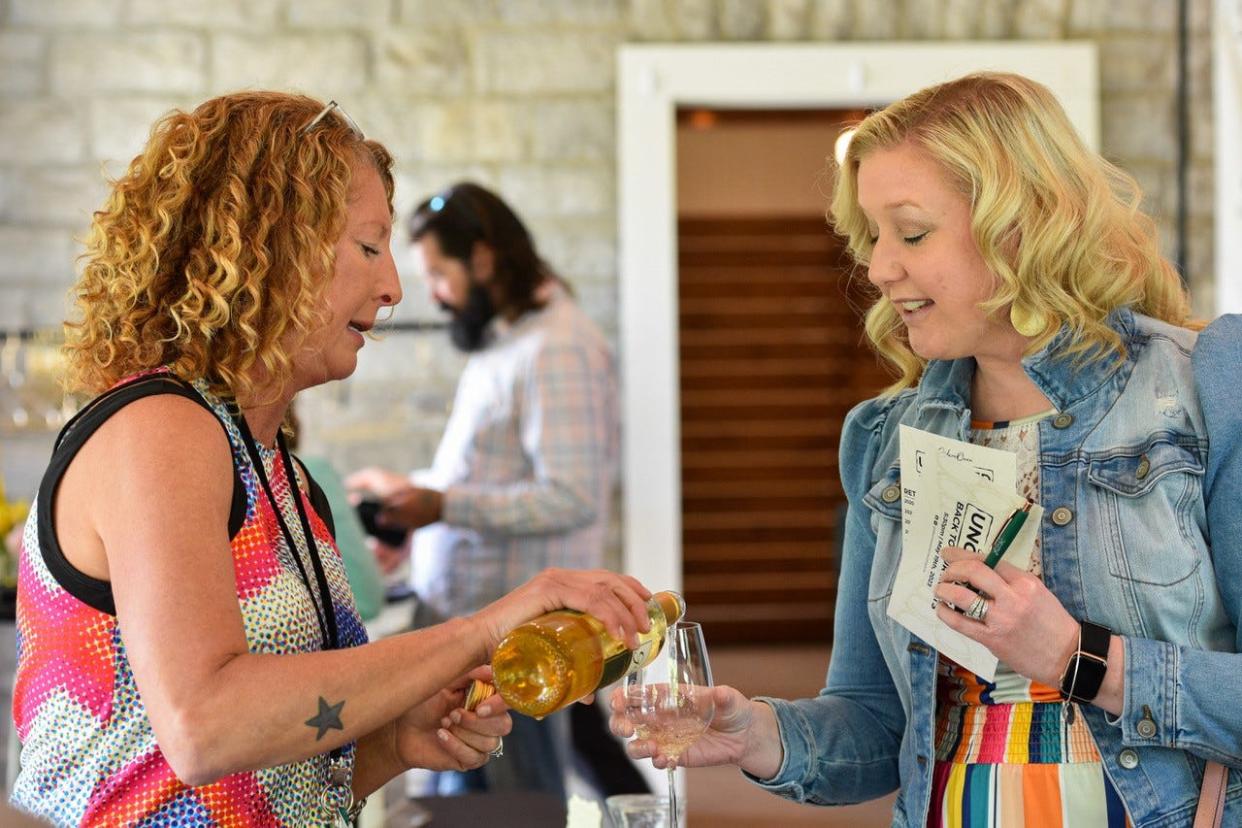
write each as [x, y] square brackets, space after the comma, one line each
[556, 659]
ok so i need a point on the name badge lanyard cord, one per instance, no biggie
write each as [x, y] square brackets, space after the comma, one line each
[324, 615]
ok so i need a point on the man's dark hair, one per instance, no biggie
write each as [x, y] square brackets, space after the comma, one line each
[466, 213]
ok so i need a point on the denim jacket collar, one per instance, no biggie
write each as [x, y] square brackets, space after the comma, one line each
[946, 383]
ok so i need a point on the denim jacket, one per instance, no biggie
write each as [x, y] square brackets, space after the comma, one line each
[1142, 533]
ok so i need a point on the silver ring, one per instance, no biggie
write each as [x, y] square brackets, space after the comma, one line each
[978, 609]
[498, 751]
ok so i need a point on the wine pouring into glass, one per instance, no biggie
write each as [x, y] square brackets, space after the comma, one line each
[670, 702]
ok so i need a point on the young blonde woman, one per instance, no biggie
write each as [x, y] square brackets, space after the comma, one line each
[189, 651]
[1024, 305]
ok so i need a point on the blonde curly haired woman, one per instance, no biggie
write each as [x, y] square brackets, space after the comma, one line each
[189, 649]
[1023, 302]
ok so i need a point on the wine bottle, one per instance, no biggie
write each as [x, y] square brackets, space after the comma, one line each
[556, 659]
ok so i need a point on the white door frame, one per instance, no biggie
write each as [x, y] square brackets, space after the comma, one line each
[652, 82]
[1227, 103]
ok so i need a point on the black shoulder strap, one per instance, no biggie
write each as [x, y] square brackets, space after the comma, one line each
[91, 591]
[319, 500]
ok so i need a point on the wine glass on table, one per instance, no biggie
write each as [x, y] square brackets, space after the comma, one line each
[670, 701]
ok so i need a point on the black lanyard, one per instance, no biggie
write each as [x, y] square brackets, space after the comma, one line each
[324, 613]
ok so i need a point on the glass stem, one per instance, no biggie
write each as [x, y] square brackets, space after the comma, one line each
[672, 797]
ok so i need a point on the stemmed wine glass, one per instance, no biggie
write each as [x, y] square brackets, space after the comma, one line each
[670, 701]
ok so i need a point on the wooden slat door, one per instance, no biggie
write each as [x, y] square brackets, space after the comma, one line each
[772, 358]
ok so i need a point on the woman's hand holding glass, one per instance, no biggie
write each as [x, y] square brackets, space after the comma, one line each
[742, 732]
[670, 703]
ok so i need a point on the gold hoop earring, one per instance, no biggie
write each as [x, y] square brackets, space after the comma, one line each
[1030, 323]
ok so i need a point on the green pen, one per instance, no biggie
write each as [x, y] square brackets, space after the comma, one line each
[1005, 537]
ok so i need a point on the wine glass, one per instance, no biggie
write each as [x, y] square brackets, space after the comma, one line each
[670, 700]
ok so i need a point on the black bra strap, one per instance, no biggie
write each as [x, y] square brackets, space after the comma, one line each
[95, 592]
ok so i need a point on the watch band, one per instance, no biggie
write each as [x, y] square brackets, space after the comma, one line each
[1084, 674]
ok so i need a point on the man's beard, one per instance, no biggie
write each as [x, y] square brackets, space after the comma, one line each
[468, 325]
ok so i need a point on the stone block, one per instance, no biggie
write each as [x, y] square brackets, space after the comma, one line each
[1202, 127]
[832, 19]
[8, 191]
[101, 13]
[12, 307]
[40, 131]
[574, 130]
[471, 131]
[335, 15]
[522, 63]
[120, 127]
[435, 14]
[788, 19]
[580, 249]
[1138, 128]
[1201, 268]
[1201, 190]
[21, 63]
[874, 21]
[995, 21]
[922, 20]
[1094, 17]
[1039, 19]
[48, 305]
[1201, 13]
[696, 19]
[324, 65]
[209, 14]
[415, 62]
[742, 20]
[578, 12]
[1159, 185]
[651, 20]
[64, 196]
[598, 301]
[163, 62]
[559, 191]
[960, 19]
[1138, 63]
[36, 256]
[395, 122]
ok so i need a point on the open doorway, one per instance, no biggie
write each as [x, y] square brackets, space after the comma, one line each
[771, 358]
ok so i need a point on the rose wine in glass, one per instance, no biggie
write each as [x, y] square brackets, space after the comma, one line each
[670, 701]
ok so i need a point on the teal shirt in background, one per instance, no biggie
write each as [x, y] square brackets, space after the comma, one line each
[360, 567]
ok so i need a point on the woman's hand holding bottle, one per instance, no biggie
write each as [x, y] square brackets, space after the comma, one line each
[618, 601]
[742, 732]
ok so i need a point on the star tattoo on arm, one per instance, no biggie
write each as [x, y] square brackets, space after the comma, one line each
[328, 717]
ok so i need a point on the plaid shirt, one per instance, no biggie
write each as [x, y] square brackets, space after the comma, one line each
[527, 462]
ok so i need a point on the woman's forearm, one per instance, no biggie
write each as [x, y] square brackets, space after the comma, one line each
[263, 710]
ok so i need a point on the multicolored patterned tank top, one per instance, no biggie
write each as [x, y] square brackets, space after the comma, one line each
[89, 756]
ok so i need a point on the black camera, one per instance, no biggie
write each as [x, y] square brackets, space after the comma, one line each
[368, 512]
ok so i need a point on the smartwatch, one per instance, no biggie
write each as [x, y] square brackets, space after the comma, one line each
[1084, 674]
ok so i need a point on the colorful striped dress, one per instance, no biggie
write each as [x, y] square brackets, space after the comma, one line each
[89, 755]
[1009, 753]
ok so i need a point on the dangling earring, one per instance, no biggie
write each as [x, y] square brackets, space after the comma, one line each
[1029, 323]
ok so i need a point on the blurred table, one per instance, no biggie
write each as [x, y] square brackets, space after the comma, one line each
[512, 809]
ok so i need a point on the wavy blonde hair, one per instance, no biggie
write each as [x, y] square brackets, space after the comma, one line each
[216, 245]
[1058, 225]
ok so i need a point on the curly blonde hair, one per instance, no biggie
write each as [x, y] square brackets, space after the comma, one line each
[216, 245]
[1058, 225]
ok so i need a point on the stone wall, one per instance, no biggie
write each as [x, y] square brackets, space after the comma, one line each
[517, 94]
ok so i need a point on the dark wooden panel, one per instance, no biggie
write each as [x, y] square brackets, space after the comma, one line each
[771, 355]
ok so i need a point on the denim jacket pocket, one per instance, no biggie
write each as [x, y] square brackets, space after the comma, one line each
[1147, 500]
[884, 502]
